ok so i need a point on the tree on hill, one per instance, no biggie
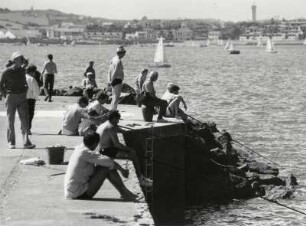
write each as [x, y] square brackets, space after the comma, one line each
[4, 10]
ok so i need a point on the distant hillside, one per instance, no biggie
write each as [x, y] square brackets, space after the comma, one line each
[44, 17]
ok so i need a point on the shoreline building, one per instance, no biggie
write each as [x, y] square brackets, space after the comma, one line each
[253, 7]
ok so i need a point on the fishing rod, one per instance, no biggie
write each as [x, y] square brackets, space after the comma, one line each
[283, 205]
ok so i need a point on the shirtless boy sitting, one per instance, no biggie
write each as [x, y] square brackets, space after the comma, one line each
[110, 145]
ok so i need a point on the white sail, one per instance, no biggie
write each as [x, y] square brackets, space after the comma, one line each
[28, 42]
[231, 47]
[304, 43]
[220, 42]
[159, 57]
[207, 43]
[259, 43]
[270, 46]
[227, 45]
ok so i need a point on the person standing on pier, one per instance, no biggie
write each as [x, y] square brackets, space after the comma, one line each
[32, 93]
[13, 86]
[50, 69]
[116, 76]
[111, 146]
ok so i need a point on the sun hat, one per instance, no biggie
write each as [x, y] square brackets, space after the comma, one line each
[16, 55]
[121, 49]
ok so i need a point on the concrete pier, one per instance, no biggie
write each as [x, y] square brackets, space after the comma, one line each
[32, 195]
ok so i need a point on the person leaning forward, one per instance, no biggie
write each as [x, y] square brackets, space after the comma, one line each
[151, 99]
[13, 86]
[110, 145]
[87, 171]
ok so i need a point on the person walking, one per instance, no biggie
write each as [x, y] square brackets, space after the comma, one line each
[116, 76]
[13, 86]
[32, 93]
[50, 69]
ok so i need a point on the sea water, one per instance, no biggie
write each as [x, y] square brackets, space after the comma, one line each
[259, 97]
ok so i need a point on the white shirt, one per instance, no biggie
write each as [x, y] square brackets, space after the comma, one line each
[33, 88]
[80, 168]
[95, 105]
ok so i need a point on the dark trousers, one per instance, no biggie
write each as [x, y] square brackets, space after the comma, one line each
[157, 102]
[48, 85]
[31, 110]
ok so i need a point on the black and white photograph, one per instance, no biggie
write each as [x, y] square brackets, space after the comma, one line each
[152, 112]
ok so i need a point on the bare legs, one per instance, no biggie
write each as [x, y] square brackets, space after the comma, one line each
[99, 176]
[116, 91]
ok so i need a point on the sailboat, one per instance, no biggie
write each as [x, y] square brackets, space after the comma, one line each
[227, 45]
[270, 46]
[220, 42]
[159, 58]
[72, 43]
[259, 43]
[304, 43]
[233, 50]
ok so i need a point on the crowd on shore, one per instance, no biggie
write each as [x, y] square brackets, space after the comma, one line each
[94, 160]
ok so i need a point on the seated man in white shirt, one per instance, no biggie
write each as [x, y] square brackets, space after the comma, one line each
[73, 117]
[97, 105]
[87, 171]
[174, 100]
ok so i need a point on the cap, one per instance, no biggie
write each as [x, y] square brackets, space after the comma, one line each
[16, 55]
[121, 49]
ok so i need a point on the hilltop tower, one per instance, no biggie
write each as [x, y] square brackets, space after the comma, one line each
[253, 12]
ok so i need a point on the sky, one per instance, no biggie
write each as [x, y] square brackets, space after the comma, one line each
[226, 10]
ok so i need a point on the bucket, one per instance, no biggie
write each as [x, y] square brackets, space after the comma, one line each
[55, 154]
[147, 113]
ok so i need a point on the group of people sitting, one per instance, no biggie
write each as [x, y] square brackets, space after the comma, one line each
[169, 104]
[93, 161]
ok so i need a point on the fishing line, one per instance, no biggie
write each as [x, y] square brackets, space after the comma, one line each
[283, 205]
[238, 142]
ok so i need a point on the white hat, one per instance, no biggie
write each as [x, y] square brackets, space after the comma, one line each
[16, 55]
[121, 49]
[89, 73]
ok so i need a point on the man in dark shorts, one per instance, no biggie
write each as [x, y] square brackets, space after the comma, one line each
[116, 76]
[110, 145]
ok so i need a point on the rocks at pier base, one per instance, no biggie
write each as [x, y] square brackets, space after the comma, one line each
[128, 93]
